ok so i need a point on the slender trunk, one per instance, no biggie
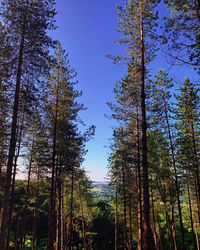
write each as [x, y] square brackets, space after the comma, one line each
[83, 222]
[52, 191]
[59, 187]
[13, 184]
[146, 210]
[35, 210]
[124, 199]
[154, 223]
[197, 200]
[175, 175]
[173, 227]
[195, 224]
[139, 195]
[62, 221]
[6, 197]
[195, 157]
[168, 223]
[159, 230]
[71, 211]
[191, 218]
[24, 211]
[130, 222]
[116, 216]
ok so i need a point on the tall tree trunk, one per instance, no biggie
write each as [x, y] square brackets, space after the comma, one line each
[159, 230]
[82, 216]
[6, 198]
[154, 223]
[168, 222]
[116, 216]
[71, 211]
[59, 187]
[175, 175]
[195, 224]
[195, 157]
[53, 187]
[191, 217]
[130, 222]
[139, 195]
[173, 227]
[13, 183]
[197, 200]
[35, 209]
[62, 222]
[124, 199]
[146, 209]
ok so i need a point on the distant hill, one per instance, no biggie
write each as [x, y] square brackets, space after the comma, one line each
[101, 191]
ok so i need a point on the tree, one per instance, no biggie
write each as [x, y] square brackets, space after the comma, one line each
[27, 22]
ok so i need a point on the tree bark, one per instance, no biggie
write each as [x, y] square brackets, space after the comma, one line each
[148, 241]
[139, 195]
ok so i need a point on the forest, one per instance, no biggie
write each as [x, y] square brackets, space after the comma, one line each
[152, 200]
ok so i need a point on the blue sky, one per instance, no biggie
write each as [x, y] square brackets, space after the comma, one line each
[87, 31]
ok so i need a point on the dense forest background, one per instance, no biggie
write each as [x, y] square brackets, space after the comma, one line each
[153, 197]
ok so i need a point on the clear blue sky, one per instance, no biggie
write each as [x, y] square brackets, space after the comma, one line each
[87, 31]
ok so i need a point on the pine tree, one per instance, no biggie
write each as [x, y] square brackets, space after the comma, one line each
[26, 22]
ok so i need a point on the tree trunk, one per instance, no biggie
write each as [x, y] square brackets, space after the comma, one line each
[139, 196]
[195, 157]
[35, 210]
[59, 187]
[195, 224]
[146, 209]
[6, 198]
[82, 216]
[124, 199]
[191, 217]
[175, 175]
[130, 222]
[13, 184]
[173, 227]
[116, 216]
[154, 223]
[71, 211]
[159, 230]
[52, 192]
